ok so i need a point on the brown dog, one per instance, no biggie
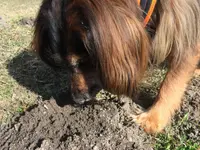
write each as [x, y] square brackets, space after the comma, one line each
[108, 43]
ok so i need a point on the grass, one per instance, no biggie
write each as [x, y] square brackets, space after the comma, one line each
[173, 141]
[170, 142]
[14, 39]
[23, 78]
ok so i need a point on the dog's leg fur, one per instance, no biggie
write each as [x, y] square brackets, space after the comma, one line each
[176, 40]
[169, 98]
[197, 71]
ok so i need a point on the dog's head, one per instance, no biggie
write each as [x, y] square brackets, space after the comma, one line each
[103, 42]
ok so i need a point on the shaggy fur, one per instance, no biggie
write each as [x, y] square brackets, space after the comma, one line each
[105, 44]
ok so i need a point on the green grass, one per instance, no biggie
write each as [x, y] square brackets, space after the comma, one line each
[176, 141]
[171, 142]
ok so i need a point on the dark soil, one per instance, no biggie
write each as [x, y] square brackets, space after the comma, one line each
[99, 126]
[105, 125]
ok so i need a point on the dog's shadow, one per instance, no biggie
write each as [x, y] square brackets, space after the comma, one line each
[29, 71]
[32, 73]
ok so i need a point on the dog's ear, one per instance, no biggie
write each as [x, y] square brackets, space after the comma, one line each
[48, 40]
[119, 42]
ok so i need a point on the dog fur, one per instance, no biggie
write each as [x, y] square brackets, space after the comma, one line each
[104, 43]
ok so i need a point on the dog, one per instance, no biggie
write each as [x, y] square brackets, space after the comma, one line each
[109, 44]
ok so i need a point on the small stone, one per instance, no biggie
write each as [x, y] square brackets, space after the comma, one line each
[17, 126]
[27, 21]
[95, 148]
[45, 106]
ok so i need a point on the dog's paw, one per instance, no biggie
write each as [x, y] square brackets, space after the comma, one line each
[151, 121]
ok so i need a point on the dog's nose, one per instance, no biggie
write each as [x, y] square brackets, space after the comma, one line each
[81, 98]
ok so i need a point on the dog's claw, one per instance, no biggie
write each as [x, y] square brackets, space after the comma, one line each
[134, 117]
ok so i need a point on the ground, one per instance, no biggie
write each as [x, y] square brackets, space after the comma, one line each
[36, 114]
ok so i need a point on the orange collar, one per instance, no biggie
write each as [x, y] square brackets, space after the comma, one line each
[148, 7]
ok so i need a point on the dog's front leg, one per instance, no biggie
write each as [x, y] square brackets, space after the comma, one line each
[169, 98]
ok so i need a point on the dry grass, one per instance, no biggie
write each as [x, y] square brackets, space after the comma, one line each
[14, 39]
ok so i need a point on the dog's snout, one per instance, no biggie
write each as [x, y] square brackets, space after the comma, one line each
[81, 98]
[95, 89]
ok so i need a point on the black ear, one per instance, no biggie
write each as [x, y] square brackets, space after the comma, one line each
[49, 35]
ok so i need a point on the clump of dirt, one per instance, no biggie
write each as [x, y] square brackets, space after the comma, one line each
[99, 126]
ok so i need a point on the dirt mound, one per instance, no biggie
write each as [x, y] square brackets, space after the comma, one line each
[99, 126]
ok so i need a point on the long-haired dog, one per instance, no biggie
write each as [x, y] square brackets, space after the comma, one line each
[108, 43]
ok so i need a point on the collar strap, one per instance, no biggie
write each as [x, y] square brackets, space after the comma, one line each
[148, 7]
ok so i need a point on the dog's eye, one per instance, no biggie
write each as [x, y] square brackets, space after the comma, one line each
[84, 25]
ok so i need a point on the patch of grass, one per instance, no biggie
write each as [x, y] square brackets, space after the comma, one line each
[14, 39]
[176, 141]
[20, 110]
[171, 142]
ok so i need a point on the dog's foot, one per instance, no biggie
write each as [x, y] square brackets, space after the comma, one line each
[151, 121]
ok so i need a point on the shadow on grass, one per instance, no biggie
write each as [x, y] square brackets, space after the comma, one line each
[32, 73]
[29, 71]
